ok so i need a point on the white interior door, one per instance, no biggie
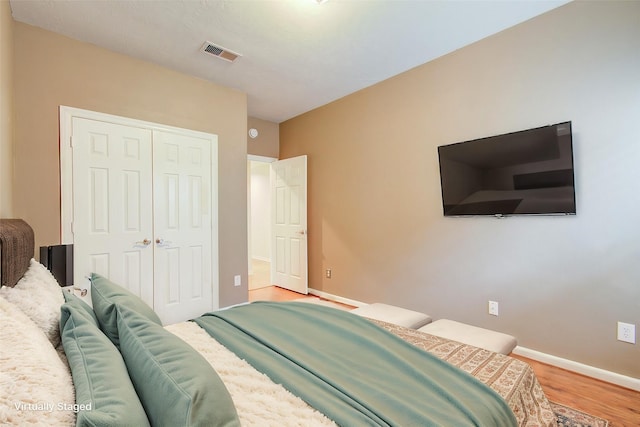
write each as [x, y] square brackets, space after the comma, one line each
[182, 206]
[289, 224]
[113, 221]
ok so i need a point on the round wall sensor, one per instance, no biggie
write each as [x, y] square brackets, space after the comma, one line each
[253, 132]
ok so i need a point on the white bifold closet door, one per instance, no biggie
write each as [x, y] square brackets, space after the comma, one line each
[182, 223]
[142, 213]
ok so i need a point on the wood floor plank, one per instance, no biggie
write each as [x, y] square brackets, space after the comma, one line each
[619, 405]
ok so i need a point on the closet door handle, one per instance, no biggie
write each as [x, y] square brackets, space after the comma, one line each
[161, 242]
[145, 242]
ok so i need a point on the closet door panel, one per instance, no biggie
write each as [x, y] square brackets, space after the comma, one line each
[112, 199]
[183, 232]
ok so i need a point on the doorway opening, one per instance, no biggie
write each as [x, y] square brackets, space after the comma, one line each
[284, 208]
[259, 221]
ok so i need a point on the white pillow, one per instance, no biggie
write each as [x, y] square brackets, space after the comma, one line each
[35, 386]
[39, 296]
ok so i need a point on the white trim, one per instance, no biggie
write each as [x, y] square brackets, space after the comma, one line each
[215, 220]
[66, 176]
[261, 258]
[589, 371]
[233, 305]
[254, 158]
[336, 298]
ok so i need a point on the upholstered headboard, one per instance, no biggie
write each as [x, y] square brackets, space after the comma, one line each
[16, 250]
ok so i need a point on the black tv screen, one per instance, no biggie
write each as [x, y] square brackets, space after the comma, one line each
[528, 172]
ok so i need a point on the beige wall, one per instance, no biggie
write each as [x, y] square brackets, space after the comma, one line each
[6, 110]
[267, 143]
[375, 214]
[52, 70]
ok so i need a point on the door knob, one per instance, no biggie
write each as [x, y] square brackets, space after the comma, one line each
[302, 232]
[145, 242]
[160, 241]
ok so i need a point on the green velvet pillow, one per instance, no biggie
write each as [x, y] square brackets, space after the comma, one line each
[176, 385]
[104, 393]
[105, 295]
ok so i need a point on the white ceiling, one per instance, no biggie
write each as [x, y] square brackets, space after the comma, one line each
[296, 54]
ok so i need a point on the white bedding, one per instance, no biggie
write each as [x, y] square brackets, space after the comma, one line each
[259, 401]
[35, 385]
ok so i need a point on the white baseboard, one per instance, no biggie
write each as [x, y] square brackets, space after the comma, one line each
[569, 365]
[336, 298]
[587, 370]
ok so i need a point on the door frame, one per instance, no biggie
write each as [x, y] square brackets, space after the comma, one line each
[67, 114]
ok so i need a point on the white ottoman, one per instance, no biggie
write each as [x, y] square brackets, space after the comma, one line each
[392, 314]
[472, 335]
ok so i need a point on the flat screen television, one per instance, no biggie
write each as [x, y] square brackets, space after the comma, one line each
[529, 172]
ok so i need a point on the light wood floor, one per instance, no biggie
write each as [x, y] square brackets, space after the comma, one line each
[619, 405]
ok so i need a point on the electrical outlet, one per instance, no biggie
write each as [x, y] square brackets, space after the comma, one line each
[328, 273]
[493, 308]
[237, 280]
[627, 332]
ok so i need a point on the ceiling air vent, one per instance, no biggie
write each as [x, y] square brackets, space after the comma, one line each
[219, 52]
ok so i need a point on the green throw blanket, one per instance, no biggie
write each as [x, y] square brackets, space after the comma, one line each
[353, 371]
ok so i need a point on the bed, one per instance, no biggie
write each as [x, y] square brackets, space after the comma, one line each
[63, 362]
